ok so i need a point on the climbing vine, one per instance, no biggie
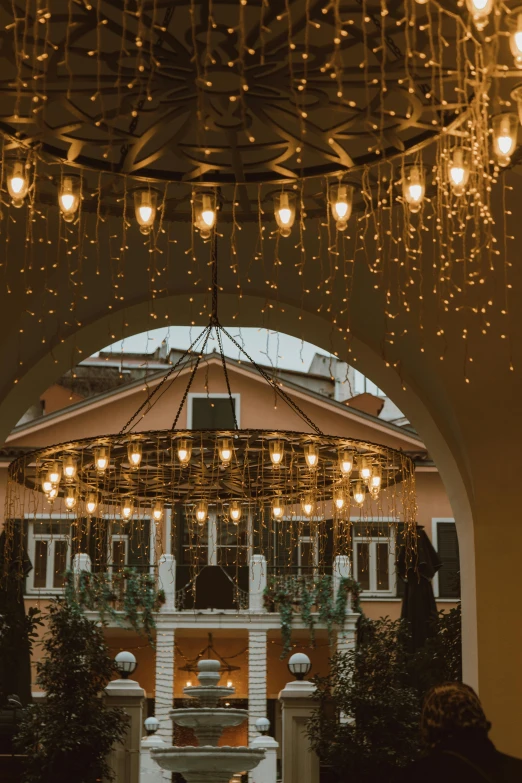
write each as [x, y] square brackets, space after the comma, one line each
[314, 601]
[127, 597]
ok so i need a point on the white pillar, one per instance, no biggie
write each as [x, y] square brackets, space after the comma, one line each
[342, 569]
[164, 694]
[124, 759]
[257, 583]
[150, 771]
[257, 650]
[266, 770]
[167, 581]
[81, 562]
[212, 539]
[300, 762]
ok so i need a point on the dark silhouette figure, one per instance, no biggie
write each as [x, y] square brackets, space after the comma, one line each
[455, 731]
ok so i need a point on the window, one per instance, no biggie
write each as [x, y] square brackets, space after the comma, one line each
[232, 542]
[363, 385]
[49, 552]
[447, 582]
[211, 412]
[374, 560]
[307, 554]
[194, 542]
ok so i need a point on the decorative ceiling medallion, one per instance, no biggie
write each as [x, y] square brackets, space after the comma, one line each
[274, 92]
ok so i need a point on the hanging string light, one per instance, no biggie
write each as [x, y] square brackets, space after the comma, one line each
[184, 450]
[284, 211]
[157, 511]
[145, 204]
[311, 455]
[308, 505]
[505, 127]
[91, 503]
[276, 452]
[134, 452]
[346, 462]
[70, 499]
[101, 458]
[339, 498]
[17, 182]
[235, 512]
[69, 467]
[201, 512]
[127, 509]
[278, 508]
[225, 451]
[359, 494]
[69, 197]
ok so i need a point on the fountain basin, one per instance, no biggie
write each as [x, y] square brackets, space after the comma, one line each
[208, 723]
[208, 695]
[201, 764]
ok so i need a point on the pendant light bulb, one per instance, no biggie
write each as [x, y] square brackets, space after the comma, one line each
[17, 183]
[308, 506]
[91, 504]
[339, 498]
[480, 11]
[157, 511]
[205, 212]
[365, 469]
[201, 512]
[359, 494]
[505, 127]
[47, 486]
[413, 187]
[459, 170]
[101, 459]
[70, 499]
[278, 508]
[135, 453]
[145, 202]
[225, 451]
[284, 211]
[54, 473]
[69, 467]
[311, 455]
[276, 448]
[127, 509]
[341, 199]
[234, 512]
[515, 38]
[346, 462]
[184, 450]
[69, 197]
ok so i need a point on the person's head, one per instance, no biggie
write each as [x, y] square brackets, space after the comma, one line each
[450, 710]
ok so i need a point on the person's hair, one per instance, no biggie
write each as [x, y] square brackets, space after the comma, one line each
[451, 709]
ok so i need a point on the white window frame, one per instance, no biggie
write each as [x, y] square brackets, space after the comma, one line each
[314, 541]
[373, 592]
[51, 538]
[220, 396]
[213, 517]
[435, 521]
[111, 539]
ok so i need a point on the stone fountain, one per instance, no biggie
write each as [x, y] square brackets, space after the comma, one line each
[207, 762]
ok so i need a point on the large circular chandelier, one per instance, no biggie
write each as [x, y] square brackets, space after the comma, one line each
[257, 482]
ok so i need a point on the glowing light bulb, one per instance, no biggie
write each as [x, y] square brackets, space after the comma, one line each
[365, 469]
[145, 201]
[308, 506]
[157, 511]
[17, 183]
[69, 197]
[229, 683]
[341, 198]
[184, 450]
[127, 509]
[201, 512]
[311, 455]
[91, 504]
[459, 170]
[101, 459]
[188, 684]
[235, 512]
[278, 508]
[55, 473]
[339, 499]
[205, 212]
[284, 211]
[515, 39]
[52, 494]
[480, 11]
[69, 467]
[225, 451]
[276, 451]
[413, 187]
[47, 486]
[505, 127]
[134, 453]
[70, 499]
[359, 494]
[346, 462]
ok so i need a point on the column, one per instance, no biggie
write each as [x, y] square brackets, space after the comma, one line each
[300, 762]
[346, 635]
[212, 538]
[257, 651]
[150, 771]
[124, 759]
[164, 677]
[257, 583]
[167, 582]
[266, 770]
